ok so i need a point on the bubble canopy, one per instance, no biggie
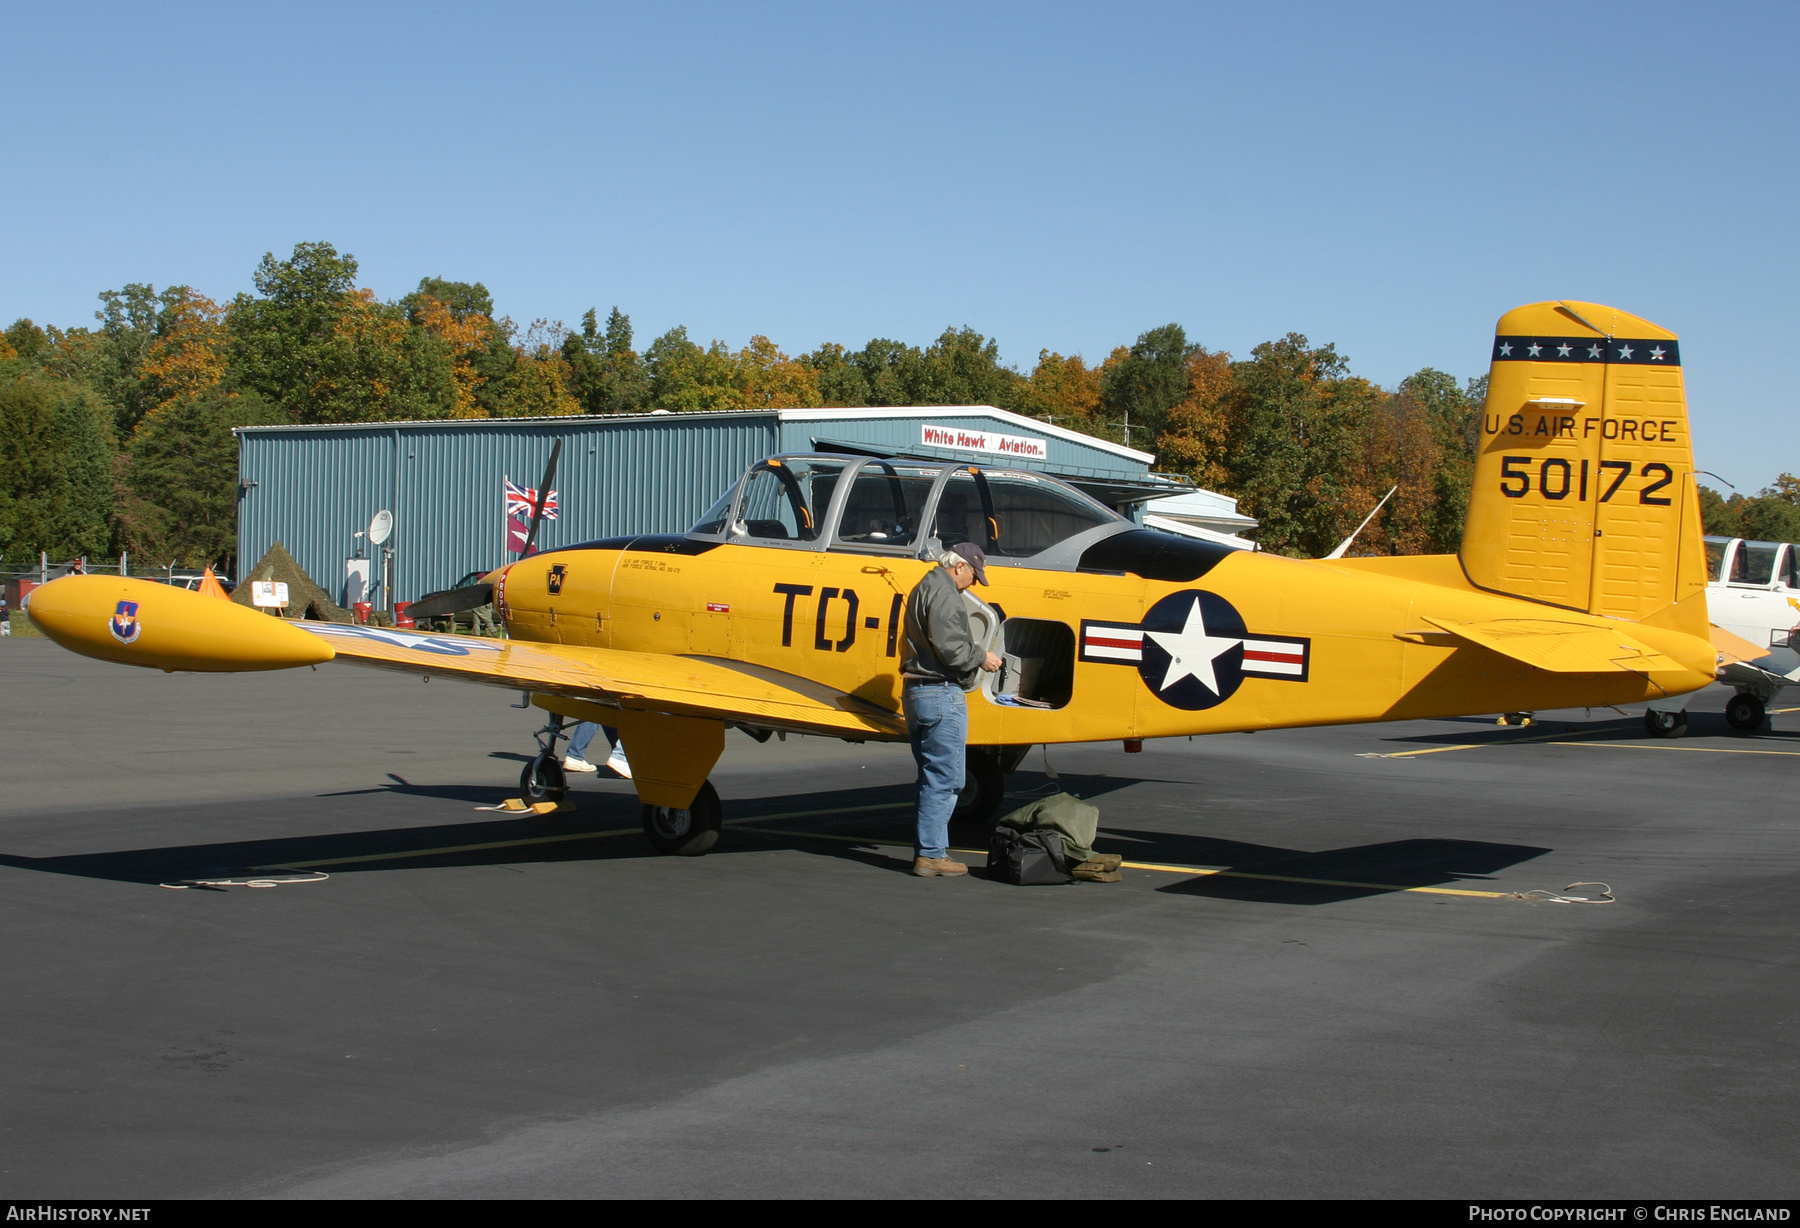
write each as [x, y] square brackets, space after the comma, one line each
[869, 505]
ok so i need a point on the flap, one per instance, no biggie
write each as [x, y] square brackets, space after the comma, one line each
[640, 681]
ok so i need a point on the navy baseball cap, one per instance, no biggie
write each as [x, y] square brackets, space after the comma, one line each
[974, 556]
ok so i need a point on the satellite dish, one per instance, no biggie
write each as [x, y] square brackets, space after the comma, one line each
[381, 527]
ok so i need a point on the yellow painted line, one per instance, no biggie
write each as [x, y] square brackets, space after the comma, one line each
[451, 848]
[1438, 750]
[1198, 871]
[1702, 750]
[1430, 750]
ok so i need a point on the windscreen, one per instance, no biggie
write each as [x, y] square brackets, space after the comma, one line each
[1754, 563]
[785, 500]
[1715, 557]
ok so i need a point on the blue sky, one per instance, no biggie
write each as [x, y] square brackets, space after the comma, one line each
[1389, 178]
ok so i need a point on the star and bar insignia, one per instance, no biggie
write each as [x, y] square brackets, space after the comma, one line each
[1193, 651]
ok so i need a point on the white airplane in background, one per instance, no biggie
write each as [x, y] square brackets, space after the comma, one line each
[1753, 594]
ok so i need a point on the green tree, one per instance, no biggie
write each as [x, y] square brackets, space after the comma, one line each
[841, 382]
[1149, 381]
[1452, 415]
[56, 469]
[606, 375]
[321, 350]
[686, 378]
[180, 479]
[1300, 423]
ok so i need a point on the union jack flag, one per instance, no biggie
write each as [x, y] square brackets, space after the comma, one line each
[522, 501]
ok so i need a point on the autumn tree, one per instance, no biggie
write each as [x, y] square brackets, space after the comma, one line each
[1062, 391]
[1197, 429]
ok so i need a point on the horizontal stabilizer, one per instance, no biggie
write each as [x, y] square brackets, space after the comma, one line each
[1733, 648]
[1562, 646]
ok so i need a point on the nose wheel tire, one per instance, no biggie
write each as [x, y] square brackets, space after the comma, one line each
[543, 780]
[689, 832]
[984, 788]
[1744, 712]
[1665, 724]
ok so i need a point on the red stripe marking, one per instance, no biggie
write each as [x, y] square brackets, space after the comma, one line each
[1095, 641]
[1284, 658]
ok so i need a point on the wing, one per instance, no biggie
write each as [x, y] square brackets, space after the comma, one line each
[641, 681]
[1562, 646]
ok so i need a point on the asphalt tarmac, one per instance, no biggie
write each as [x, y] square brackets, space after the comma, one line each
[1362, 1005]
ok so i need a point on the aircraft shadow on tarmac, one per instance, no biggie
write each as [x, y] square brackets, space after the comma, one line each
[849, 824]
[1481, 731]
[1272, 875]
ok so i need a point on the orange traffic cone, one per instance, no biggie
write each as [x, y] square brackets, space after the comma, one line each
[210, 586]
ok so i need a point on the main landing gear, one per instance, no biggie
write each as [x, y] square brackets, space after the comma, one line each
[1665, 724]
[689, 832]
[1745, 712]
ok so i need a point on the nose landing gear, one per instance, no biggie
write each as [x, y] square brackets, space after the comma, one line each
[543, 779]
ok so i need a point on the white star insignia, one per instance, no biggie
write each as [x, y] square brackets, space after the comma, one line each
[1593, 351]
[1624, 351]
[1506, 350]
[1562, 351]
[1534, 350]
[1192, 651]
[1657, 353]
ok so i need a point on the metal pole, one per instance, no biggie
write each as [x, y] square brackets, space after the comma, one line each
[123, 570]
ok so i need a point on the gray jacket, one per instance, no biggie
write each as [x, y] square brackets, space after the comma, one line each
[939, 646]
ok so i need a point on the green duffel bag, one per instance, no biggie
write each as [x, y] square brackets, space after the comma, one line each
[1076, 821]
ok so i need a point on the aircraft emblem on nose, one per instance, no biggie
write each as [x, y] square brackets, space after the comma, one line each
[124, 623]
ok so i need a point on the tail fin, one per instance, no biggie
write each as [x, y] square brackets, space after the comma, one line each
[1584, 478]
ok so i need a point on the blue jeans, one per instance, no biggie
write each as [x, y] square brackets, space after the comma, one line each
[583, 734]
[937, 721]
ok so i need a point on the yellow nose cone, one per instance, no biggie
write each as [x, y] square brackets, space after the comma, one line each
[137, 622]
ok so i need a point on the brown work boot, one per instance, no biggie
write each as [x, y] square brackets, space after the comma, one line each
[938, 867]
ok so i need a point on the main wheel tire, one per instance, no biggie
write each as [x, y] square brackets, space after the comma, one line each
[984, 788]
[1744, 712]
[1665, 724]
[689, 832]
[543, 780]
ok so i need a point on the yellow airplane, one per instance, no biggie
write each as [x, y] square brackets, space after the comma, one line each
[1581, 582]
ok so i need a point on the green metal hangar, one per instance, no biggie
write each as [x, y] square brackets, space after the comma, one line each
[315, 489]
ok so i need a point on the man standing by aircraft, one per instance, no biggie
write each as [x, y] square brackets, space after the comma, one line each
[940, 663]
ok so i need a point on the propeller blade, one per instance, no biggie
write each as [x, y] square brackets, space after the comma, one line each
[537, 513]
[451, 601]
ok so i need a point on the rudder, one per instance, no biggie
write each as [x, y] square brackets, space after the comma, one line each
[1584, 491]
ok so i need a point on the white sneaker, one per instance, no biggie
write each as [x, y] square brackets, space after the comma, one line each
[572, 764]
[617, 761]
